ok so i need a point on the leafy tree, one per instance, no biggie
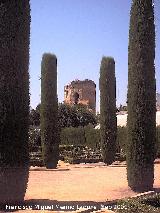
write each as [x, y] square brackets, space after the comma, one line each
[34, 139]
[76, 115]
[141, 97]
[67, 116]
[49, 111]
[34, 116]
[108, 120]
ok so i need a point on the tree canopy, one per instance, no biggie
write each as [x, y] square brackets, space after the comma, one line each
[68, 116]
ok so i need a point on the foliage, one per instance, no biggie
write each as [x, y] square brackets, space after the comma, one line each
[141, 97]
[79, 154]
[34, 139]
[121, 139]
[84, 116]
[92, 137]
[36, 159]
[34, 116]
[108, 120]
[87, 136]
[68, 116]
[73, 136]
[49, 111]
[75, 116]
[14, 82]
[147, 204]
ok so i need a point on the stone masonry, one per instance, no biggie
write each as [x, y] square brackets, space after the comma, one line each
[85, 91]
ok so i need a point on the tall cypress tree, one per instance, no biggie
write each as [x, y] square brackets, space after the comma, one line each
[14, 99]
[108, 120]
[14, 82]
[141, 97]
[49, 111]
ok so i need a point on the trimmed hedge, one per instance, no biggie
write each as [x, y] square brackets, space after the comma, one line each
[79, 154]
[91, 138]
[73, 136]
[87, 136]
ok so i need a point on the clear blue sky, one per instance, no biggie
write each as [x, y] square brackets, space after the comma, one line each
[80, 32]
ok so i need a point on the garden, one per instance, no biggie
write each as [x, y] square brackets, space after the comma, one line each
[33, 142]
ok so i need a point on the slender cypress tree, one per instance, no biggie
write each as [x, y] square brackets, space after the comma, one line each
[108, 120]
[141, 97]
[49, 111]
[14, 99]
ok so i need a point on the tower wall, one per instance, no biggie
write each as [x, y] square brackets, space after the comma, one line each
[86, 90]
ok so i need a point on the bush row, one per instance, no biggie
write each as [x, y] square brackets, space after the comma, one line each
[86, 136]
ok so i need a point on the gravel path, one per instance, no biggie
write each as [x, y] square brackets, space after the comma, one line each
[79, 186]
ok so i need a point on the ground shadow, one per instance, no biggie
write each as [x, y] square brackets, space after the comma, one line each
[54, 205]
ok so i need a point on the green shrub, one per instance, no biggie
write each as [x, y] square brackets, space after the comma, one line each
[108, 120]
[34, 116]
[14, 82]
[121, 139]
[92, 137]
[49, 111]
[87, 136]
[146, 204]
[73, 136]
[75, 116]
[79, 154]
[141, 97]
[34, 139]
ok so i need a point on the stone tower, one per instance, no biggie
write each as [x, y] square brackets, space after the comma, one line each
[81, 92]
[158, 101]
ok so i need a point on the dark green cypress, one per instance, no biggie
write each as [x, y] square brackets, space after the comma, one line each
[108, 120]
[14, 99]
[141, 97]
[49, 111]
[14, 82]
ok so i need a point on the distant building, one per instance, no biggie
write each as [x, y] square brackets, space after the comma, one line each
[158, 101]
[81, 92]
[122, 120]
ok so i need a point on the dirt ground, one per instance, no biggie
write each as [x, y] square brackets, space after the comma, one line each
[76, 187]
